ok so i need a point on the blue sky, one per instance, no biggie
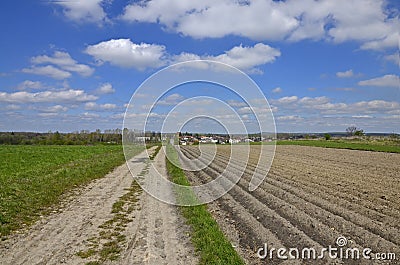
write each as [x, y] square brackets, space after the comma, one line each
[322, 65]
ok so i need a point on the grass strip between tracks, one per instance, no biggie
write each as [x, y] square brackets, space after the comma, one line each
[109, 243]
[208, 239]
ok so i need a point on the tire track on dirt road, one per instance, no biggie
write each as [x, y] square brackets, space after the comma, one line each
[163, 237]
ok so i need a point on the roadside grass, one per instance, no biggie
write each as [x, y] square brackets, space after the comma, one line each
[384, 146]
[34, 178]
[208, 239]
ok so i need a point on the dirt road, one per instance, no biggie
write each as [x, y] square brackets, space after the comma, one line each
[110, 221]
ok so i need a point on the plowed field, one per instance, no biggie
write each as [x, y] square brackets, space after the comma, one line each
[310, 197]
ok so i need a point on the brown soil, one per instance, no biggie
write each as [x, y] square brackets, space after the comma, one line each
[310, 197]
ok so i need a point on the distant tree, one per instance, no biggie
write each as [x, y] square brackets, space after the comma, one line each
[351, 130]
[359, 133]
[327, 136]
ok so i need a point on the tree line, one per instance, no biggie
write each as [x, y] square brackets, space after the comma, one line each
[83, 137]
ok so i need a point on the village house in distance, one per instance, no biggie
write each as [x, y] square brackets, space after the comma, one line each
[196, 138]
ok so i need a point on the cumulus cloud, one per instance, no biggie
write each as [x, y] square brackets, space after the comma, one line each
[313, 101]
[67, 96]
[106, 88]
[54, 109]
[95, 106]
[47, 70]
[394, 58]
[376, 105]
[65, 62]
[28, 84]
[289, 118]
[324, 105]
[258, 20]
[83, 11]
[362, 116]
[12, 107]
[89, 116]
[391, 40]
[125, 53]
[185, 56]
[348, 73]
[60, 66]
[172, 99]
[246, 58]
[236, 103]
[286, 100]
[267, 20]
[277, 90]
[383, 81]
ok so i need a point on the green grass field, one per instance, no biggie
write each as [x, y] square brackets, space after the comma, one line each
[33, 178]
[207, 237]
[377, 146]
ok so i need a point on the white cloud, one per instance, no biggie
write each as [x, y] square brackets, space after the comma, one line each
[289, 118]
[277, 90]
[12, 107]
[395, 58]
[362, 116]
[375, 105]
[65, 62]
[54, 109]
[89, 116]
[313, 101]
[286, 100]
[389, 41]
[125, 53]
[236, 103]
[348, 73]
[267, 20]
[323, 105]
[184, 56]
[48, 70]
[95, 106]
[28, 84]
[259, 20]
[48, 114]
[83, 11]
[67, 96]
[246, 58]
[172, 99]
[106, 88]
[383, 81]
[245, 110]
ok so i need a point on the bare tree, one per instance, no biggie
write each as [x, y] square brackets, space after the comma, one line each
[351, 130]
